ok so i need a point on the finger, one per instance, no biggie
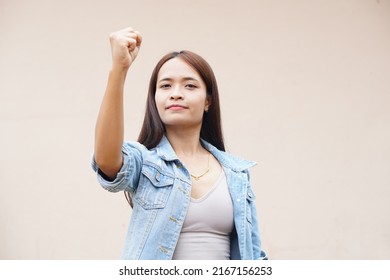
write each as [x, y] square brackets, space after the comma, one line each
[139, 38]
[134, 34]
[128, 29]
[131, 43]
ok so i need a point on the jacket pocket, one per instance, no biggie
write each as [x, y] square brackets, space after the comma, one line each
[154, 188]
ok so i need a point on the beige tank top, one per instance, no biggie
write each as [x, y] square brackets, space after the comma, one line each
[206, 230]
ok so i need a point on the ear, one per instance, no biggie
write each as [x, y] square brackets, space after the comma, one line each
[207, 103]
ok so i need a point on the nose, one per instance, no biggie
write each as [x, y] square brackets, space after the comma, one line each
[176, 93]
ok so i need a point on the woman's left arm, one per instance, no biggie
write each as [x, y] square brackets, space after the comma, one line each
[258, 253]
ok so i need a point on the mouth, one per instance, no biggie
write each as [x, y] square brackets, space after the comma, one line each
[176, 107]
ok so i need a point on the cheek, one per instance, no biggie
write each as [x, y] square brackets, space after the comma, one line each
[199, 107]
[160, 104]
[158, 100]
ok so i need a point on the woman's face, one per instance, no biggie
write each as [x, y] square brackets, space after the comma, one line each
[181, 96]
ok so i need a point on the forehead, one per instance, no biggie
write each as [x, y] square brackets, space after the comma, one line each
[177, 68]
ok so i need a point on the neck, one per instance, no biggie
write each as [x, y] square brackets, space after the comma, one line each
[185, 142]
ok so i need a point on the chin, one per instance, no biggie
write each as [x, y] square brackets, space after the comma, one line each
[181, 123]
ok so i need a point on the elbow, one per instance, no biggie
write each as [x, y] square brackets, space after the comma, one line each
[109, 166]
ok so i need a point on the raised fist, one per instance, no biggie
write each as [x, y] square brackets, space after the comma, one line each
[125, 45]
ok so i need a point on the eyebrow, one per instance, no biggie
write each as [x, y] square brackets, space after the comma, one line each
[182, 79]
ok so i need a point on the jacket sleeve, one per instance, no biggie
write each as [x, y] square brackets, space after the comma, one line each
[128, 176]
[258, 253]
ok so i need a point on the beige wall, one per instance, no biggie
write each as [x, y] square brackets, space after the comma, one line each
[305, 89]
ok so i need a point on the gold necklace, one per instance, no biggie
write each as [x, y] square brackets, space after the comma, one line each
[208, 169]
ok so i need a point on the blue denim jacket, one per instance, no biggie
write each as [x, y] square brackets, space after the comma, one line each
[160, 188]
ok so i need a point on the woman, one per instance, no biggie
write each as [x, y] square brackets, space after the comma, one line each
[191, 200]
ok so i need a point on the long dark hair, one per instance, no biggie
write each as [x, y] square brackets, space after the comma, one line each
[153, 128]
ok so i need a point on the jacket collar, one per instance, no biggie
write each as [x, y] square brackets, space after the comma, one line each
[166, 152]
[228, 160]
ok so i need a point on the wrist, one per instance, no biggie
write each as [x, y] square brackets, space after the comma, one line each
[119, 72]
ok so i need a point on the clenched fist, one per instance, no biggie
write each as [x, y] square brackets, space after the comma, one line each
[125, 45]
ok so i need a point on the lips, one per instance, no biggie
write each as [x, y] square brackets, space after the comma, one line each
[176, 107]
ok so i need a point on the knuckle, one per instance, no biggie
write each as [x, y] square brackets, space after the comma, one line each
[113, 36]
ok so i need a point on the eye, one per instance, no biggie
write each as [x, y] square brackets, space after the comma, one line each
[165, 86]
[191, 86]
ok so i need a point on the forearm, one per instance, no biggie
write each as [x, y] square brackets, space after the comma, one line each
[109, 130]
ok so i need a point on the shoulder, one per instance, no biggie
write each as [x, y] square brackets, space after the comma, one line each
[133, 147]
[128, 145]
[155, 155]
[229, 160]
